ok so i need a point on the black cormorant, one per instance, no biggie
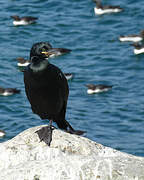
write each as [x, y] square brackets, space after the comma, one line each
[47, 91]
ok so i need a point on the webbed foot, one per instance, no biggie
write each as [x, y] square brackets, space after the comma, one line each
[45, 134]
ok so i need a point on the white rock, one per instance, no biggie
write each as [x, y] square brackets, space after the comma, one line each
[69, 157]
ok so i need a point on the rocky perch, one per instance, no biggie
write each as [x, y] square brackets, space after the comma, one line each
[69, 157]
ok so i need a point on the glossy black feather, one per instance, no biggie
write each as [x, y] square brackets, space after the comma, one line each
[47, 91]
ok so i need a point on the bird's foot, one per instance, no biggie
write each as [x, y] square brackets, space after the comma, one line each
[45, 134]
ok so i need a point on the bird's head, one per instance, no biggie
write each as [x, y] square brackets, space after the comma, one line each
[15, 17]
[40, 49]
[90, 86]
[39, 55]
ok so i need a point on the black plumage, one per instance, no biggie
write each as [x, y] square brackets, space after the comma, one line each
[47, 91]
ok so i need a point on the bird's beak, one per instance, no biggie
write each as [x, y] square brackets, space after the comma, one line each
[52, 52]
[46, 53]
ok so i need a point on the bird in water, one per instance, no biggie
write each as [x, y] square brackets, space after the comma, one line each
[47, 91]
[8, 91]
[100, 9]
[22, 62]
[68, 76]
[138, 48]
[92, 88]
[26, 20]
[133, 37]
[2, 133]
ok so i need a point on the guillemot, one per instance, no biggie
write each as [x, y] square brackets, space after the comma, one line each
[2, 133]
[26, 20]
[100, 9]
[22, 62]
[138, 48]
[68, 76]
[8, 91]
[132, 37]
[92, 88]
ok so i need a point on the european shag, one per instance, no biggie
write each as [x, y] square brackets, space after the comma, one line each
[47, 91]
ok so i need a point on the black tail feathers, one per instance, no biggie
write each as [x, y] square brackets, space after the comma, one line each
[63, 124]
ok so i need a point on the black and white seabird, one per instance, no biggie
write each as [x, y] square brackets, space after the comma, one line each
[138, 48]
[92, 88]
[2, 133]
[47, 91]
[68, 76]
[8, 91]
[22, 62]
[100, 9]
[133, 37]
[23, 20]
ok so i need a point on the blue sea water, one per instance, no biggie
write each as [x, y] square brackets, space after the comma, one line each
[114, 118]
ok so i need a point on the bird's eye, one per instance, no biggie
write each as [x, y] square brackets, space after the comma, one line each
[43, 50]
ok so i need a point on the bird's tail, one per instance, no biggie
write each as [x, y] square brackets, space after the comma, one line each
[16, 90]
[63, 124]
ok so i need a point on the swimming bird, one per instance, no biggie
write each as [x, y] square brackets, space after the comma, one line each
[8, 91]
[2, 133]
[68, 76]
[26, 20]
[138, 48]
[100, 9]
[22, 62]
[92, 88]
[47, 91]
[132, 37]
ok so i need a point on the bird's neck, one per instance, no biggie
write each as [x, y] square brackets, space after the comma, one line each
[41, 67]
